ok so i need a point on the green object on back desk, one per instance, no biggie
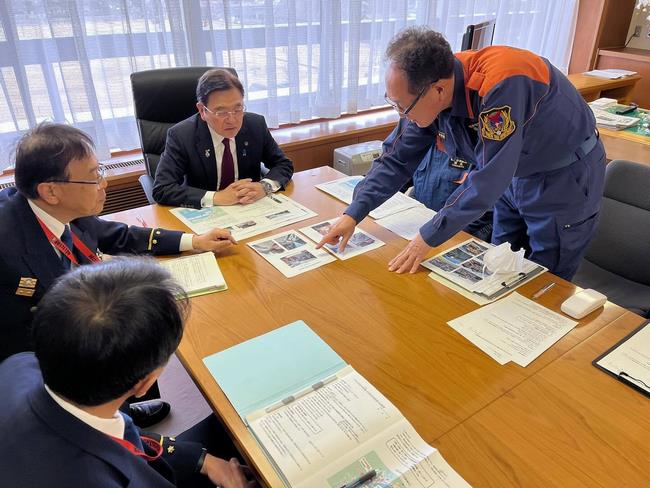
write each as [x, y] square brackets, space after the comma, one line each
[643, 127]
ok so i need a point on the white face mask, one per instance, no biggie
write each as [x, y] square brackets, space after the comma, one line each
[501, 259]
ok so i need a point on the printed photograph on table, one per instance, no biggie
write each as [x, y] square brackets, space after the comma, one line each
[268, 247]
[299, 259]
[467, 275]
[291, 253]
[359, 243]
[291, 241]
[473, 248]
[477, 266]
[443, 264]
[457, 256]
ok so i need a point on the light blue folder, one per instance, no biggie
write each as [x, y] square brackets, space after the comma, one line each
[264, 370]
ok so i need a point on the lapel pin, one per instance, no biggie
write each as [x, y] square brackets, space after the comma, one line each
[207, 153]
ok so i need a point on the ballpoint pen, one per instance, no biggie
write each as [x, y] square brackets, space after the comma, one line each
[543, 290]
[141, 221]
[361, 479]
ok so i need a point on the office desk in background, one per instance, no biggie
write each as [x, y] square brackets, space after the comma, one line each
[593, 87]
[391, 328]
[621, 144]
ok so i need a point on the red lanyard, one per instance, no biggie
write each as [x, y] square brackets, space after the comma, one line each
[149, 442]
[65, 250]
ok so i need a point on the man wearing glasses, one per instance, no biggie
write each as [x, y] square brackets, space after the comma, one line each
[515, 118]
[49, 226]
[214, 156]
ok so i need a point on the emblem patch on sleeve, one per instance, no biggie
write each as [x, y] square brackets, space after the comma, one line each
[496, 124]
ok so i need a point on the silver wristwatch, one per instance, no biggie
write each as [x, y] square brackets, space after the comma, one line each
[268, 189]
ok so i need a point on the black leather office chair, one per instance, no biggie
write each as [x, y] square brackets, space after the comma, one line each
[162, 98]
[617, 262]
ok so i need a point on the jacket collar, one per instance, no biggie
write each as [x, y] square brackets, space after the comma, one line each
[459, 102]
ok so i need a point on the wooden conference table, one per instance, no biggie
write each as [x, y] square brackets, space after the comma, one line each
[391, 328]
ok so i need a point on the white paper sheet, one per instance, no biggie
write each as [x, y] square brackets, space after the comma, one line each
[343, 188]
[360, 242]
[245, 221]
[514, 328]
[407, 223]
[632, 358]
[291, 253]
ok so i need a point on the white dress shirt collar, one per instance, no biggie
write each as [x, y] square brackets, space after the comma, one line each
[113, 426]
[50, 222]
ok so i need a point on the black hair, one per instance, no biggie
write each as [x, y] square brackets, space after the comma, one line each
[102, 328]
[44, 153]
[217, 79]
[423, 54]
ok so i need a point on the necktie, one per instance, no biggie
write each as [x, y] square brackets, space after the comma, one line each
[131, 433]
[66, 238]
[227, 166]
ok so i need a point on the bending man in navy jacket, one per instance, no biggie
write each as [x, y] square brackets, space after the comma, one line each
[49, 225]
[214, 156]
[102, 334]
[515, 118]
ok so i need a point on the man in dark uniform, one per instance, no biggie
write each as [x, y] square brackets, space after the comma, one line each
[515, 118]
[101, 334]
[50, 225]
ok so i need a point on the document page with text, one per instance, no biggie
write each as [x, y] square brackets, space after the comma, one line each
[338, 432]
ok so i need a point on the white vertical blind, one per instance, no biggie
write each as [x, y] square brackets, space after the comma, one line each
[70, 60]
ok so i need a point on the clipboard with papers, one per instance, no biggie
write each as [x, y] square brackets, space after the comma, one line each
[629, 359]
[461, 268]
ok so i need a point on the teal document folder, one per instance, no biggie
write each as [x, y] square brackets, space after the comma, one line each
[267, 369]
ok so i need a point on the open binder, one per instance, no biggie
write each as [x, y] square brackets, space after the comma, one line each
[319, 422]
[629, 359]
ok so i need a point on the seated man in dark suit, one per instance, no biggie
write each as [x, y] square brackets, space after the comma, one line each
[101, 334]
[50, 225]
[214, 156]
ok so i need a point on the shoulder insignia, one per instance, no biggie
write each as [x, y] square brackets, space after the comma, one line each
[496, 123]
[27, 282]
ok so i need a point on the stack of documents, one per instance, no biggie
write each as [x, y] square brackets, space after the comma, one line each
[198, 274]
[609, 120]
[400, 214]
[461, 269]
[320, 423]
[513, 329]
[611, 74]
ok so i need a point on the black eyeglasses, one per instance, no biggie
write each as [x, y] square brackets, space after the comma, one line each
[405, 112]
[101, 177]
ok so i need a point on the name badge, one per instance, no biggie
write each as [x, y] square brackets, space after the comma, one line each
[458, 163]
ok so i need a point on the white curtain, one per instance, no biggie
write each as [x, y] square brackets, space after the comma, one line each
[70, 60]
